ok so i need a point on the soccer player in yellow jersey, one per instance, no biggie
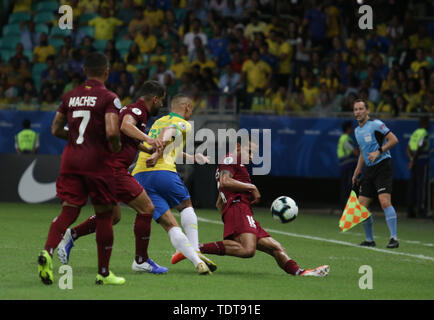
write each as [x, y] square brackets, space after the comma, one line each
[157, 175]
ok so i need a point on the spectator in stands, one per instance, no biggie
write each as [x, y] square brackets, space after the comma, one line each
[279, 100]
[395, 30]
[88, 6]
[198, 46]
[229, 81]
[178, 66]
[310, 93]
[419, 62]
[105, 24]
[198, 100]
[413, 97]
[167, 38]
[256, 74]
[300, 80]
[75, 81]
[387, 105]
[161, 73]
[401, 104]
[330, 79]
[139, 22]
[155, 15]
[146, 40]
[29, 37]
[48, 101]
[210, 83]
[421, 39]
[315, 18]
[218, 47]
[254, 25]
[43, 49]
[202, 61]
[15, 75]
[304, 48]
[195, 32]
[269, 58]
[28, 87]
[133, 57]
[126, 12]
[27, 140]
[379, 42]
[53, 83]
[364, 94]
[284, 54]
[158, 55]
[186, 86]
[233, 9]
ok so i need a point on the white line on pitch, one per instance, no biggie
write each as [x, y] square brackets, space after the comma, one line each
[418, 256]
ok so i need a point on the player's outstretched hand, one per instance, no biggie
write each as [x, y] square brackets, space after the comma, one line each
[156, 144]
[256, 196]
[152, 160]
[201, 159]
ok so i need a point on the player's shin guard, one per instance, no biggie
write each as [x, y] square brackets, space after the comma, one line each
[390, 215]
[189, 223]
[142, 232]
[85, 228]
[181, 243]
[104, 240]
[59, 225]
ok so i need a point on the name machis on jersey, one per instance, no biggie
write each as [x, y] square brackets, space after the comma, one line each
[82, 101]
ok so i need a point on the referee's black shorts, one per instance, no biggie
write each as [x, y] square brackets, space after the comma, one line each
[377, 179]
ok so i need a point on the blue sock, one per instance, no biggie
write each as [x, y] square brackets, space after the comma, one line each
[391, 220]
[367, 225]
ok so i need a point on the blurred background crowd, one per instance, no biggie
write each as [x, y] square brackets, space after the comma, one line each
[262, 56]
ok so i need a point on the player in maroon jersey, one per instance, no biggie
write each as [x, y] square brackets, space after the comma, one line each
[91, 112]
[242, 234]
[133, 119]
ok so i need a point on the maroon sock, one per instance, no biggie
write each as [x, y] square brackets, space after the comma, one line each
[213, 248]
[292, 267]
[104, 240]
[59, 225]
[142, 232]
[85, 228]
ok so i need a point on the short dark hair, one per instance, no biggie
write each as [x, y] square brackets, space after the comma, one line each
[361, 100]
[346, 125]
[26, 124]
[95, 64]
[152, 88]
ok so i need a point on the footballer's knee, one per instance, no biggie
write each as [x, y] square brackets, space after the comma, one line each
[248, 252]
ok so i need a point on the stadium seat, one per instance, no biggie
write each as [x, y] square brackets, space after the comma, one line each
[9, 42]
[41, 28]
[88, 31]
[86, 17]
[100, 45]
[123, 53]
[19, 17]
[56, 43]
[123, 45]
[44, 17]
[28, 54]
[12, 29]
[47, 6]
[6, 54]
[57, 32]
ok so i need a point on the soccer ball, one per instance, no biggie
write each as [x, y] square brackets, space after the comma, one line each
[284, 209]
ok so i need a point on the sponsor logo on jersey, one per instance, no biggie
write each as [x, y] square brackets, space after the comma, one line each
[181, 126]
[82, 101]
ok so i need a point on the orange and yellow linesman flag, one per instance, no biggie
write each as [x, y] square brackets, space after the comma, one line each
[353, 214]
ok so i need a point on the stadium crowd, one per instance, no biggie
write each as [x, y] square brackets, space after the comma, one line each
[273, 56]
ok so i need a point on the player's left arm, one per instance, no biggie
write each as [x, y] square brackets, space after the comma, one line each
[143, 148]
[58, 126]
[391, 141]
[196, 158]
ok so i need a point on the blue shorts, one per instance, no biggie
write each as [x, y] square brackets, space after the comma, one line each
[165, 189]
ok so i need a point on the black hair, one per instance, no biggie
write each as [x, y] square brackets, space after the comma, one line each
[95, 64]
[26, 124]
[152, 88]
[346, 125]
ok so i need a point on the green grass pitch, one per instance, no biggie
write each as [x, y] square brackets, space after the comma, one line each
[311, 240]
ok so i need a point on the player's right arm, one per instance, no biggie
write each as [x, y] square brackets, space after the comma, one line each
[112, 131]
[58, 126]
[227, 182]
[359, 167]
[129, 128]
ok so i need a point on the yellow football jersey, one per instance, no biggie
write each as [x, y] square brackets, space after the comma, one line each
[172, 150]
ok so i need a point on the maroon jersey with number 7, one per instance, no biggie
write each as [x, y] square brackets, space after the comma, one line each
[87, 150]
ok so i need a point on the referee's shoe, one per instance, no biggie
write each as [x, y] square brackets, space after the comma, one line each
[393, 243]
